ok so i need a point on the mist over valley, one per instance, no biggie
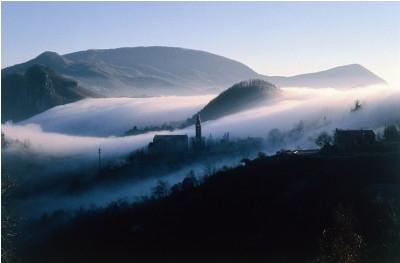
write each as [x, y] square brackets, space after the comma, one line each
[161, 153]
[50, 151]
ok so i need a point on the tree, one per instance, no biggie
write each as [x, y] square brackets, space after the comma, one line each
[160, 190]
[261, 155]
[357, 106]
[275, 137]
[4, 142]
[297, 131]
[190, 181]
[9, 222]
[176, 188]
[209, 169]
[323, 139]
[391, 133]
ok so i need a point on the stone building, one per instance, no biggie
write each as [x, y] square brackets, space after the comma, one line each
[169, 144]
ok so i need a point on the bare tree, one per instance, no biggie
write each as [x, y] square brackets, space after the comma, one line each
[391, 133]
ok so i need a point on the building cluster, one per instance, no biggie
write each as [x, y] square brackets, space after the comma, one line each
[344, 141]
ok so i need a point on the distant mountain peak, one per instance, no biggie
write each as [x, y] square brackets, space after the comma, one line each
[348, 67]
[361, 69]
[354, 65]
[47, 54]
[50, 58]
[345, 76]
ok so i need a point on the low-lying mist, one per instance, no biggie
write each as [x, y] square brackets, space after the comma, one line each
[316, 110]
[115, 116]
[54, 145]
[324, 109]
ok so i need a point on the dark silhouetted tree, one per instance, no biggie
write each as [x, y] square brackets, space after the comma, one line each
[323, 139]
[297, 132]
[357, 106]
[391, 133]
[9, 233]
[190, 181]
[261, 155]
[160, 190]
[275, 137]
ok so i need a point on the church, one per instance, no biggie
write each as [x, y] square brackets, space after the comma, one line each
[198, 142]
[177, 143]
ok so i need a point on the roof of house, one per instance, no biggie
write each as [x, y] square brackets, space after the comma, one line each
[353, 132]
[170, 137]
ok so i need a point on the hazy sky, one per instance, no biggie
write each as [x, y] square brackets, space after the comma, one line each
[274, 38]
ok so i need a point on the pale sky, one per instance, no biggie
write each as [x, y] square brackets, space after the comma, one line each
[273, 38]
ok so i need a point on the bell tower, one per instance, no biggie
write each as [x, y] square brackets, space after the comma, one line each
[198, 130]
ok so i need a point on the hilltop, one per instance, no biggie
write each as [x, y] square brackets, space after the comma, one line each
[241, 96]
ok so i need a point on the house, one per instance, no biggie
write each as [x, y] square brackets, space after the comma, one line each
[350, 140]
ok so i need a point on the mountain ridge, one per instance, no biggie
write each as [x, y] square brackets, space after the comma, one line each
[144, 70]
[159, 70]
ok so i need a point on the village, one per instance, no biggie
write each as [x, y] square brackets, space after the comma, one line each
[343, 141]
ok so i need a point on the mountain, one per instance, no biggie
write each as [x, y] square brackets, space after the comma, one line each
[347, 76]
[38, 89]
[145, 70]
[241, 96]
[155, 71]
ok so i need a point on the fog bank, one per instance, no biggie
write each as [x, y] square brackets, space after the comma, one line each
[115, 116]
[319, 109]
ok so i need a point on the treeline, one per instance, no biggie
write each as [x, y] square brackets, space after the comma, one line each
[280, 208]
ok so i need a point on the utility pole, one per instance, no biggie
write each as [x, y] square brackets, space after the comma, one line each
[99, 160]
